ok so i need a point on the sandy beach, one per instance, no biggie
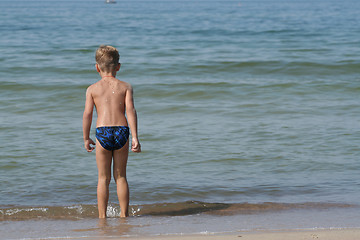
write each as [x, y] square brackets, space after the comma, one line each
[326, 234]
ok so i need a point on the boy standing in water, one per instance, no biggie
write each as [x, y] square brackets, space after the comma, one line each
[111, 98]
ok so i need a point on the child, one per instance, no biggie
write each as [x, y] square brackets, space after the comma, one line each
[112, 98]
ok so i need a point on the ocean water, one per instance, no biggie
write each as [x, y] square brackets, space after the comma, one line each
[248, 111]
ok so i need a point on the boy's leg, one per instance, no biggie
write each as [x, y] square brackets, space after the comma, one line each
[120, 161]
[103, 162]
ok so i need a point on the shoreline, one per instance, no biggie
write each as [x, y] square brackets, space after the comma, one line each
[294, 225]
[306, 234]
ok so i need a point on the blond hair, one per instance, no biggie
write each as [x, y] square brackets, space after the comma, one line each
[107, 57]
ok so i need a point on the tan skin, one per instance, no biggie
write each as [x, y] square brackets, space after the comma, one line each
[112, 98]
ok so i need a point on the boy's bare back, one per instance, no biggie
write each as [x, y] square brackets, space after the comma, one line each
[110, 97]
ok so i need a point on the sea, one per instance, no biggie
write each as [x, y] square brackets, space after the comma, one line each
[248, 113]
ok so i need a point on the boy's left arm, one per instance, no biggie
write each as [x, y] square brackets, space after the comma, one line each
[87, 119]
[132, 119]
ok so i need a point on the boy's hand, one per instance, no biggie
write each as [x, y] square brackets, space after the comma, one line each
[135, 145]
[87, 145]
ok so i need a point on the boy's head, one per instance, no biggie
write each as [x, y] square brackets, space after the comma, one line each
[107, 58]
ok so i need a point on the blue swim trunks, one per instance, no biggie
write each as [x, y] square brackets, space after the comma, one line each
[112, 138]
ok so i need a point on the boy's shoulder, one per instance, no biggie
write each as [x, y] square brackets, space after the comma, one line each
[124, 85]
[128, 85]
[90, 88]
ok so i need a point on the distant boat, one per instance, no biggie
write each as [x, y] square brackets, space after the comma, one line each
[110, 1]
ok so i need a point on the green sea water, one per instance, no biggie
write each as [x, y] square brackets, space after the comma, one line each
[238, 102]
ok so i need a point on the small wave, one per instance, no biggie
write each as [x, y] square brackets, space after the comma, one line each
[185, 91]
[256, 68]
[48, 86]
[158, 209]
[287, 68]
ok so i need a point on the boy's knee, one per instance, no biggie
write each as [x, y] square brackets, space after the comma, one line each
[105, 179]
[119, 174]
[119, 178]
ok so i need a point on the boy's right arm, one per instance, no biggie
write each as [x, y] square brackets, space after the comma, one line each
[87, 119]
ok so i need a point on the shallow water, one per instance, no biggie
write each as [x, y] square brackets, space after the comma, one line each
[150, 226]
[238, 102]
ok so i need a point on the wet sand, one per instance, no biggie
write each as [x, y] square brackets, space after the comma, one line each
[324, 234]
